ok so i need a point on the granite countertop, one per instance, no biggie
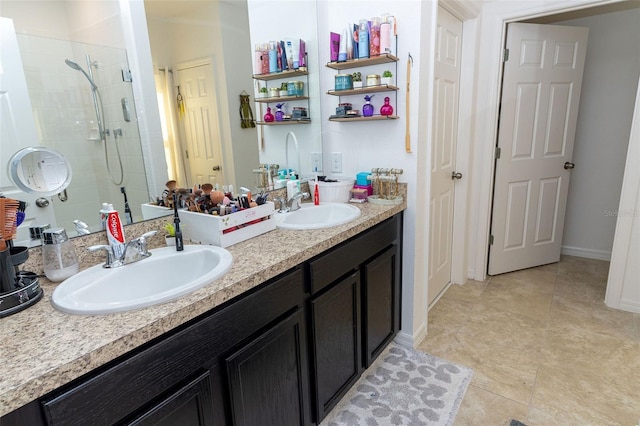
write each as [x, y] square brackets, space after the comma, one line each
[42, 348]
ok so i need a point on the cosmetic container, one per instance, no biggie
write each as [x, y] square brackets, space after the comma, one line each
[363, 39]
[385, 37]
[59, 258]
[374, 37]
[273, 57]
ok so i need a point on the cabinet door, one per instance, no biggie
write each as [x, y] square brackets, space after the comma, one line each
[188, 405]
[335, 324]
[381, 295]
[269, 377]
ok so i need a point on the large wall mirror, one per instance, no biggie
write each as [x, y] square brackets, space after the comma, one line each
[102, 79]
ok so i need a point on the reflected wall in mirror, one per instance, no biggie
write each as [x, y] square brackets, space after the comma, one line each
[202, 63]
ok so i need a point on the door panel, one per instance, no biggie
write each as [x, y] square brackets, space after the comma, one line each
[202, 133]
[539, 109]
[445, 124]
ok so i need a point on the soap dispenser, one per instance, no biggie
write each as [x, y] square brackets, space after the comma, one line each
[59, 259]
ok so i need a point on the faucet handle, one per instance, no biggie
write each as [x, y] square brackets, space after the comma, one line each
[111, 261]
[142, 242]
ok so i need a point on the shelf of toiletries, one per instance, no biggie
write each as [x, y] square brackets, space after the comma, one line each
[363, 118]
[384, 58]
[281, 99]
[365, 89]
[281, 75]
[283, 122]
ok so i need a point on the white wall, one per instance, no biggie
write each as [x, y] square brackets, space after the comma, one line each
[602, 134]
[365, 145]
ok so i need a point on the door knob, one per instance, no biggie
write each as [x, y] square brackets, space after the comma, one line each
[456, 175]
[42, 202]
[216, 168]
[568, 165]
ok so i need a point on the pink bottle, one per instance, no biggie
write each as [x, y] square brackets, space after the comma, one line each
[268, 117]
[386, 109]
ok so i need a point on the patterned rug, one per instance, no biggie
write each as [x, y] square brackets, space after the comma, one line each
[403, 387]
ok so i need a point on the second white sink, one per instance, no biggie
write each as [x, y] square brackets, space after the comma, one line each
[310, 216]
[164, 276]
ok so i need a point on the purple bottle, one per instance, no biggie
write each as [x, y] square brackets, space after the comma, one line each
[367, 108]
[279, 113]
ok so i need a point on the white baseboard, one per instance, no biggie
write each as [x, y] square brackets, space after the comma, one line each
[412, 341]
[629, 305]
[588, 253]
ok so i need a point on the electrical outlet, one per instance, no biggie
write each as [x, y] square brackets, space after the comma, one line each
[316, 161]
[336, 162]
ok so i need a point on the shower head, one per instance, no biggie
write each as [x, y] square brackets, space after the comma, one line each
[76, 67]
[72, 65]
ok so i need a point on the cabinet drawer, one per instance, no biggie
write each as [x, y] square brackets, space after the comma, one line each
[118, 391]
[348, 256]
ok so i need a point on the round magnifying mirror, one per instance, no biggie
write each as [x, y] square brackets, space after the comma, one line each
[40, 170]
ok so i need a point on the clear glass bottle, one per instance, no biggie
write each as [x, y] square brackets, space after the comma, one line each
[59, 259]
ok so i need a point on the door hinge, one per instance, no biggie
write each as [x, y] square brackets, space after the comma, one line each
[497, 154]
[491, 239]
[505, 55]
[186, 153]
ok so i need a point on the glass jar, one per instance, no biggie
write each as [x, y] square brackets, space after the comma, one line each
[59, 259]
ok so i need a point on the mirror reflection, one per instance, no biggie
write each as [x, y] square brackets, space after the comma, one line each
[92, 97]
[40, 171]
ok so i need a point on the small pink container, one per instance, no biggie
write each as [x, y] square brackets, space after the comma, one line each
[369, 188]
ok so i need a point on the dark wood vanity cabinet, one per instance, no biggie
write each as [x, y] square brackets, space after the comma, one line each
[283, 353]
[354, 309]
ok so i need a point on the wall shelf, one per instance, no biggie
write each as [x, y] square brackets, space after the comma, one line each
[385, 58]
[281, 99]
[281, 123]
[365, 89]
[362, 118]
[281, 75]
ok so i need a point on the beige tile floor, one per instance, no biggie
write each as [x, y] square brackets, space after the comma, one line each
[544, 348]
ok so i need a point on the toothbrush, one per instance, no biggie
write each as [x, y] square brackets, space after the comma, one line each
[176, 224]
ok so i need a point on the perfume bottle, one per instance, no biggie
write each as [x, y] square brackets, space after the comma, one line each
[279, 113]
[268, 117]
[367, 108]
[386, 109]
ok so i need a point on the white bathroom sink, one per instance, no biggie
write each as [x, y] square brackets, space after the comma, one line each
[166, 275]
[310, 216]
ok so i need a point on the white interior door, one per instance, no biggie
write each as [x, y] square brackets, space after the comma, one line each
[539, 108]
[443, 153]
[17, 128]
[202, 132]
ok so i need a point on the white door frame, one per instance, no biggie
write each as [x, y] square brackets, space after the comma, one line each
[495, 17]
[466, 12]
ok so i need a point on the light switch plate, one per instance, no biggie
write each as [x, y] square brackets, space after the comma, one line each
[316, 161]
[336, 162]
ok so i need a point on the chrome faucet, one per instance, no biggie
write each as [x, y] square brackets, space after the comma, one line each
[293, 203]
[134, 250]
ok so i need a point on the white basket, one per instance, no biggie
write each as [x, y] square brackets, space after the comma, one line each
[333, 192]
[222, 231]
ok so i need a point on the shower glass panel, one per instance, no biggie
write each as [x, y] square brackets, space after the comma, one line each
[65, 115]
